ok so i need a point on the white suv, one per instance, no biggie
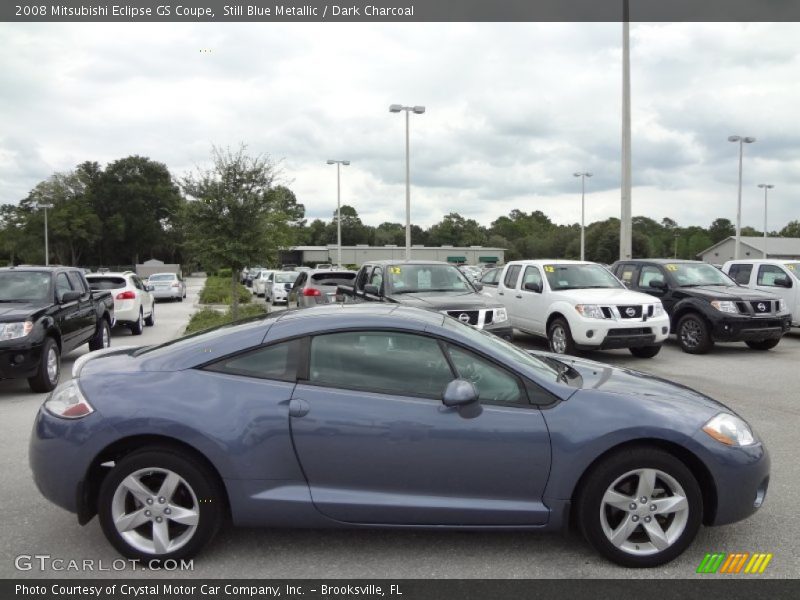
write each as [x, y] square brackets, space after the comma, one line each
[580, 306]
[134, 305]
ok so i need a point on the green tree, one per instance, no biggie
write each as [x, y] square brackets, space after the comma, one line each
[721, 229]
[792, 229]
[233, 219]
[455, 230]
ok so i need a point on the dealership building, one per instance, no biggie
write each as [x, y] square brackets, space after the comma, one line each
[752, 247]
[361, 253]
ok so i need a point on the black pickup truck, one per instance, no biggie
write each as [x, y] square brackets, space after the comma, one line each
[46, 312]
[705, 305]
[434, 285]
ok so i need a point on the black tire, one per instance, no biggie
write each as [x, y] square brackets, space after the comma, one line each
[151, 320]
[43, 381]
[559, 337]
[636, 548]
[199, 492]
[102, 337]
[645, 351]
[763, 344]
[694, 335]
[138, 326]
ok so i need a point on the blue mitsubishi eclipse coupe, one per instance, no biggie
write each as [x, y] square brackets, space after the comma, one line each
[384, 416]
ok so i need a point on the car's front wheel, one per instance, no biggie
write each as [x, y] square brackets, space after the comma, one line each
[640, 507]
[559, 337]
[49, 371]
[158, 503]
[694, 335]
[762, 344]
[645, 351]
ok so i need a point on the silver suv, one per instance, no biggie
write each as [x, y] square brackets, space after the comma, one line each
[318, 287]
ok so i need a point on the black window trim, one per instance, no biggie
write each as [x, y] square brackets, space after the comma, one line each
[297, 355]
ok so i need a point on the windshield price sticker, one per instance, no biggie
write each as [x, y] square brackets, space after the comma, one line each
[791, 267]
[549, 269]
[672, 267]
[395, 270]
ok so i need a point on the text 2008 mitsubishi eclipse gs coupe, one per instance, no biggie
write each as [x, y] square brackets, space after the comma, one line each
[387, 416]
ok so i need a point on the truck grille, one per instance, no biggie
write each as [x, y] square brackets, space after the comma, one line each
[630, 312]
[762, 307]
[465, 316]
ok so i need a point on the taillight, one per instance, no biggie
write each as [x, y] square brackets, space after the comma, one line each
[126, 295]
[175, 285]
[311, 292]
[67, 402]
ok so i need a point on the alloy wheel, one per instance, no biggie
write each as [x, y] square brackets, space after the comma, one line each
[52, 365]
[559, 340]
[691, 333]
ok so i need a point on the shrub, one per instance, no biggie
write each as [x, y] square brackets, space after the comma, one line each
[208, 317]
[218, 291]
[225, 272]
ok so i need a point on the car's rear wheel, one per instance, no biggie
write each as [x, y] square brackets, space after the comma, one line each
[102, 338]
[160, 504]
[559, 337]
[645, 351]
[151, 320]
[640, 507]
[138, 326]
[694, 335]
[46, 378]
[762, 344]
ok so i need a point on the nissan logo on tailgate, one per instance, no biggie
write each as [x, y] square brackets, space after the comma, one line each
[630, 311]
[463, 317]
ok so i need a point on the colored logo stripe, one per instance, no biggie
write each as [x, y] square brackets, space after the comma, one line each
[711, 562]
[758, 563]
[722, 562]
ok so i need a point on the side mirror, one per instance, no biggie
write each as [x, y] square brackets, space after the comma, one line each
[150, 288]
[477, 285]
[373, 289]
[459, 392]
[69, 296]
[658, 284]
[533, 286]
[783, 282]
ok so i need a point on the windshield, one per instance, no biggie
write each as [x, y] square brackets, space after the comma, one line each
[794, 267]
[696, 274]
[489, 342]
[579, 276]
[405, 279]
[163, 277]
[21, 286]
[286, 277]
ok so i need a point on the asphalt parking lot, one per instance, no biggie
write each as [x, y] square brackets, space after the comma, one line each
[758, 385]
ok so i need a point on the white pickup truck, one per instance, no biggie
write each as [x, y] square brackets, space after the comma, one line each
[579, 306]
[779, 277]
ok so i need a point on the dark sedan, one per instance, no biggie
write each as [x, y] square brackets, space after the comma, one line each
[377, 415]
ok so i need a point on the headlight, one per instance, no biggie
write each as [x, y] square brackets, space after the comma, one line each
[730, 430]
[12, 331]
[782, 306]
[590, 311]
[500, 315]
[67, 402]
[725, 306]
[658, 310]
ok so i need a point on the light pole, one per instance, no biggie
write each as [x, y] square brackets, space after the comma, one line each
[626, 214]
[742, 141]
[396, 108]
[677, 235]
[583, 177]
[338, 164]
[46, 250]
[766, 186]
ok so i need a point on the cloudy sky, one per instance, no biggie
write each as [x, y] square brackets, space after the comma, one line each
[512, 111]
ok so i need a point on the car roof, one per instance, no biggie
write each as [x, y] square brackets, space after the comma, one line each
[39, 268]
[408, 262]
[550, 261]
[385, 312]
[664, 261]
[111, 274]
[752, 261]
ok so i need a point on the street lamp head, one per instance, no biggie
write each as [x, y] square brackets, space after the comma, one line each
[749, 140]
[395, 108]
[331, 162]
[45, 206]
[588, 174]
[768, 186]
[419, 110]
[345, 162]
[576, 174]
[734, 138]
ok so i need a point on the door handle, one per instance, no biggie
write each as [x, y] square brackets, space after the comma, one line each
[298, 407]
[500, 294]
[519, 296]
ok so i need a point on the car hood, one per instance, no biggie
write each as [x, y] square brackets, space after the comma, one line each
[446, 300]
[642, 387]
[728, 292]
[603, 296]
[17, 311]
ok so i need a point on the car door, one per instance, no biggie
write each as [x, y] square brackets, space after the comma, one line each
[69, 322]
[531, 306]
[505, 292]
[377, 445]
[765, 281]
[85, 315]
[648, 273]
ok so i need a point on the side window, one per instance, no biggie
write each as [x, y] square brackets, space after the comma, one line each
[626, 274]
[512, 275]
[137, 282]
[741, 273]
[648, 274]
[767, 274]
[532, 275]
[278, 361]
[300, 281]
[77, 282]
[361, 281]
[377, 277]
[380, 361]
[490, 277]
[62, 283]
[493, 383]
